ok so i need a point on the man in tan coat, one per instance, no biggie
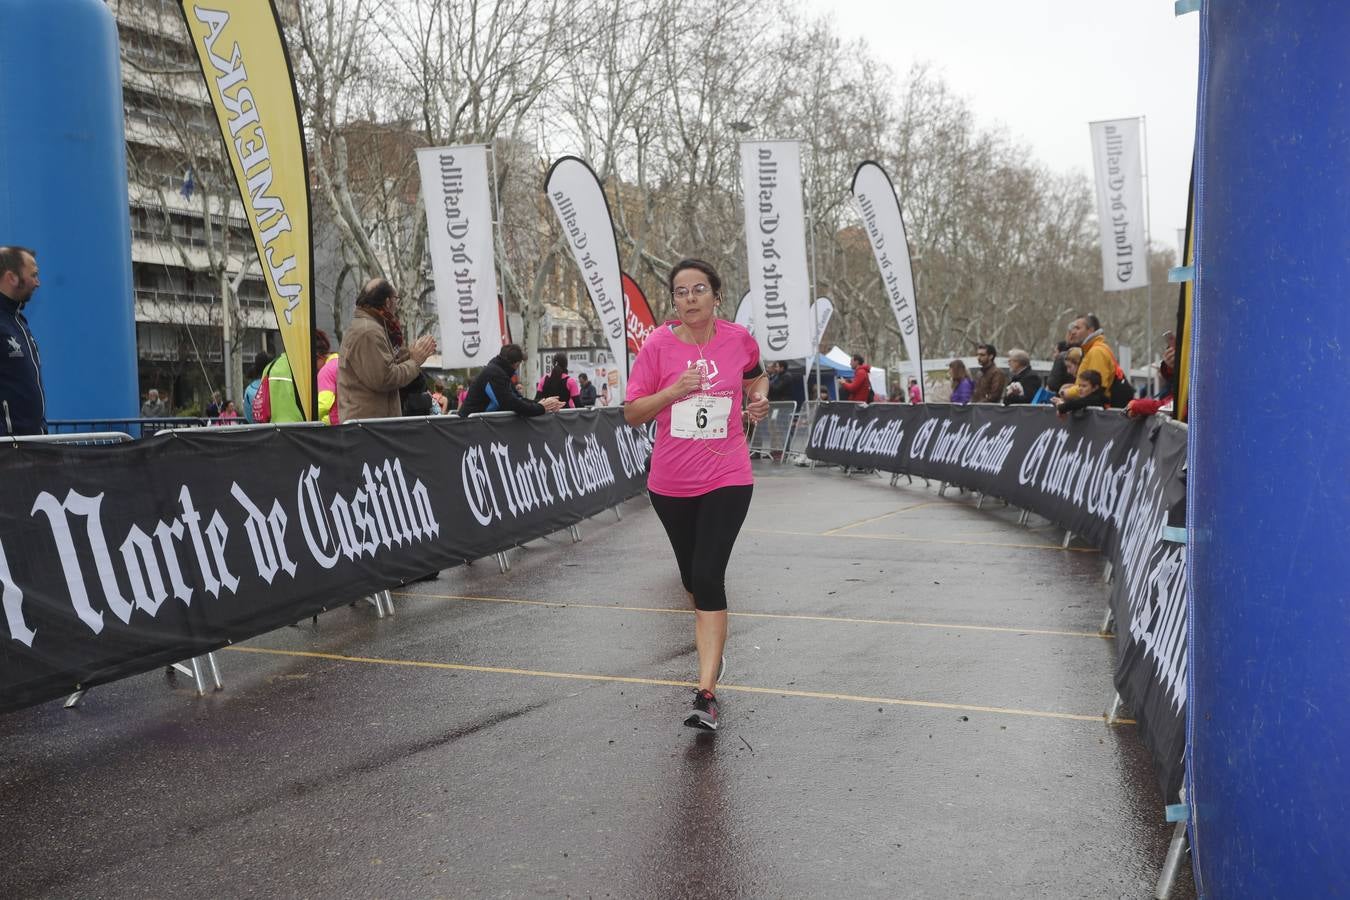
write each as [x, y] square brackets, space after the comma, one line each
[373, 363]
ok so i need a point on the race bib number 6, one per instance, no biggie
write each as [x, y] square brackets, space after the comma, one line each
[700, 417]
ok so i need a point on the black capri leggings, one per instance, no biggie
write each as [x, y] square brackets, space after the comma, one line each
[702, 531]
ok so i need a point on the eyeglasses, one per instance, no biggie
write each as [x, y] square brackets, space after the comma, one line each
[683, 293]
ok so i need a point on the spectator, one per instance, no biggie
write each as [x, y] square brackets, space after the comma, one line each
[992, 382]
[492, 390]
[1023, 383]
[416, 400]
[1147, 406]
[1086, 331]
[915, 392]
[1073, 358]
[259, 366]
[859, 388]
[1058, 377]
[557, 383]
[282, 398]
[214, 407]
[586, 394]
[1167, 374]
[780, 383]
[373, 363]
[229, 414]
[963, 388]
[326, 379]
[153, 407]
[1089, 393]
[23, 403]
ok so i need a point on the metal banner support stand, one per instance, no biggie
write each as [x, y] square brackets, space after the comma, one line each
[383, 601]
[1176, 851]
[195, 673]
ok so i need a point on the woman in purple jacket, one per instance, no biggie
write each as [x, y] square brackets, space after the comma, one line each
[962, 385]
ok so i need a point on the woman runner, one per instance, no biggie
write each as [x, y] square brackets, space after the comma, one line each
[690, 376]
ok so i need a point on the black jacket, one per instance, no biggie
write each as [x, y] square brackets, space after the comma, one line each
[1059, 375]
[1030, 382]
[492, 391]
[1096, 398]
[23, 405]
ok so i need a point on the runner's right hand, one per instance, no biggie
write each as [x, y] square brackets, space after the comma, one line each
[689, 382]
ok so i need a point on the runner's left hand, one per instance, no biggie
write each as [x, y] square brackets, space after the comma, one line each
[758, 408]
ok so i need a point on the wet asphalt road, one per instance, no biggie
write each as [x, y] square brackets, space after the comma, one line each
[912, 708]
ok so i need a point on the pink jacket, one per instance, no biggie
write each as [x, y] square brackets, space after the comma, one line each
[328, 408]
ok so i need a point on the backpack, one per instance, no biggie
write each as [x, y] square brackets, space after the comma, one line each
[871, 395]
[1122, 392]
[556, 386]
[262, 400]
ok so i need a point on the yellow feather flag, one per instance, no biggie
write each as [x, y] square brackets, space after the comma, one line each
[248, 75]
[1185, 303]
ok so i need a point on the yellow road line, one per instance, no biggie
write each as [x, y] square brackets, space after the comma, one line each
[913, 540]
[661, 682]
[879, 518]
[757, 615]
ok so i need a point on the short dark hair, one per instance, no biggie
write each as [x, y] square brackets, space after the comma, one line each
[582, 377]
[1092, 377]
[714, 280]
[512, 353]
[1093, 323]
[988, 348]
[858, 358]
[322, 345]
[375, 292]
[11, 259]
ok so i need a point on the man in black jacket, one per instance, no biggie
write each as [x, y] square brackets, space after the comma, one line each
[587, 397]
[1023, 383]
[492, 391]
[23, 404]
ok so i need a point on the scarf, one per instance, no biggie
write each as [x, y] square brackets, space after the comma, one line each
[390, 322]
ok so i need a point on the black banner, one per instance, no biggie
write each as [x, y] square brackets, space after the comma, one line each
[1107, 478]
[118, 559]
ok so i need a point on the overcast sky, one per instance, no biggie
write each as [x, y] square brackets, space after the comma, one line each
[1041, 70]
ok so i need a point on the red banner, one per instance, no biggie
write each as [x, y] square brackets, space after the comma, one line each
[640, 322]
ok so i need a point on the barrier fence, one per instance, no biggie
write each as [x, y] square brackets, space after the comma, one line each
[117, 559]
[1116, 482]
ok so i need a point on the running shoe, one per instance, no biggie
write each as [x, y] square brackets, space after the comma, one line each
[704, 714]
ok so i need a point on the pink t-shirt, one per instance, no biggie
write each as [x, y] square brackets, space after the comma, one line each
[685, 466]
